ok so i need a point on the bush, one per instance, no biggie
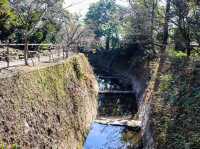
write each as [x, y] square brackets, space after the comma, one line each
[178, 55]
[166, 81]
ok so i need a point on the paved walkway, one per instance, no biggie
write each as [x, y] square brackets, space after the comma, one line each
[16, 65]
[32, 61]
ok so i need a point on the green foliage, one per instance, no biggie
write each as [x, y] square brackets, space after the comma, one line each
[15, 146]
[102, 19]
[177, 105]
[176, 55]
[138, 30]
[180, 55]
[39, 35]
[166, 81]
[7, 19]
[36, 22]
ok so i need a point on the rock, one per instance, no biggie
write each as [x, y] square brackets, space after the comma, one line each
[119, 122]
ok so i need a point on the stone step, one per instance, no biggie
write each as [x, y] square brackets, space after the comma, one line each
[119, 122]
[115, 92]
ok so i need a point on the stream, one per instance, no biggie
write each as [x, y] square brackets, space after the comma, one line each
[114, 106]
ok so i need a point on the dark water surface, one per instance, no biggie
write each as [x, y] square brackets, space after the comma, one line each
[113, 137]
[117, 105]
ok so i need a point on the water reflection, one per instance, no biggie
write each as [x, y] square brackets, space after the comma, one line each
[117, 105]
[113, 137]
[107, 137]
[112, 84]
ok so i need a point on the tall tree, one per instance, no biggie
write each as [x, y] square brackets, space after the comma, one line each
[72, 33]
[166, 26]
[32, 16]
[194, 21]
[181, 12]
[140, 29]
[102, 20]
[7, 19]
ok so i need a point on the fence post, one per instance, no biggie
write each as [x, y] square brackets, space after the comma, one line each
[58, 50]
[50, 54]
[7, 55]
[32, 58]
[63, 51]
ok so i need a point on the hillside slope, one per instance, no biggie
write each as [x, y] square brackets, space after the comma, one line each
[176, 104]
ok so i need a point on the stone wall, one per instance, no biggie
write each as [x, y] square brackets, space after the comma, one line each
[50, 107]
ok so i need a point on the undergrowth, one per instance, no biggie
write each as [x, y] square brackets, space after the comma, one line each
[176, 104]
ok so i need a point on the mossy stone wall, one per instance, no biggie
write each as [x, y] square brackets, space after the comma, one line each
[49, 107]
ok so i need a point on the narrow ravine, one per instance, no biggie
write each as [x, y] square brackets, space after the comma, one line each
[123, 106]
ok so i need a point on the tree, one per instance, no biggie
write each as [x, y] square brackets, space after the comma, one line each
[32, 16]
[194, 21]
[166, 27]
[7, 20]
[181, 11]
[139, 28]
[101, 18]
[72, 33]
[186, 21]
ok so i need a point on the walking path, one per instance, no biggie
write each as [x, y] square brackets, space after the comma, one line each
[19, 65]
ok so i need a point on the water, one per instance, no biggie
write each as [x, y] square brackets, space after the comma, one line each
[113, 105]
[107, 137]
[117, 105]
[112, 84]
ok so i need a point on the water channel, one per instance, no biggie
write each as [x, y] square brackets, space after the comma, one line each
[113, 105]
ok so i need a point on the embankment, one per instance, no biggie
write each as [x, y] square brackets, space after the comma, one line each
[52, 106]
[167, 94]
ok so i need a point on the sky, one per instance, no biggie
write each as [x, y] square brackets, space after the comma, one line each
[81, 6]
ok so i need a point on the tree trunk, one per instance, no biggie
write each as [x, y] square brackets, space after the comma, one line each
[8, 56]
[188, 42]
[108, 43]
[26, 50]
[166, 27]
[154, 5]
[165, 36]
[164, 42]
[188, 45]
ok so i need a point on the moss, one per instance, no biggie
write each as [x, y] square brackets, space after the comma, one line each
[60, 99]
